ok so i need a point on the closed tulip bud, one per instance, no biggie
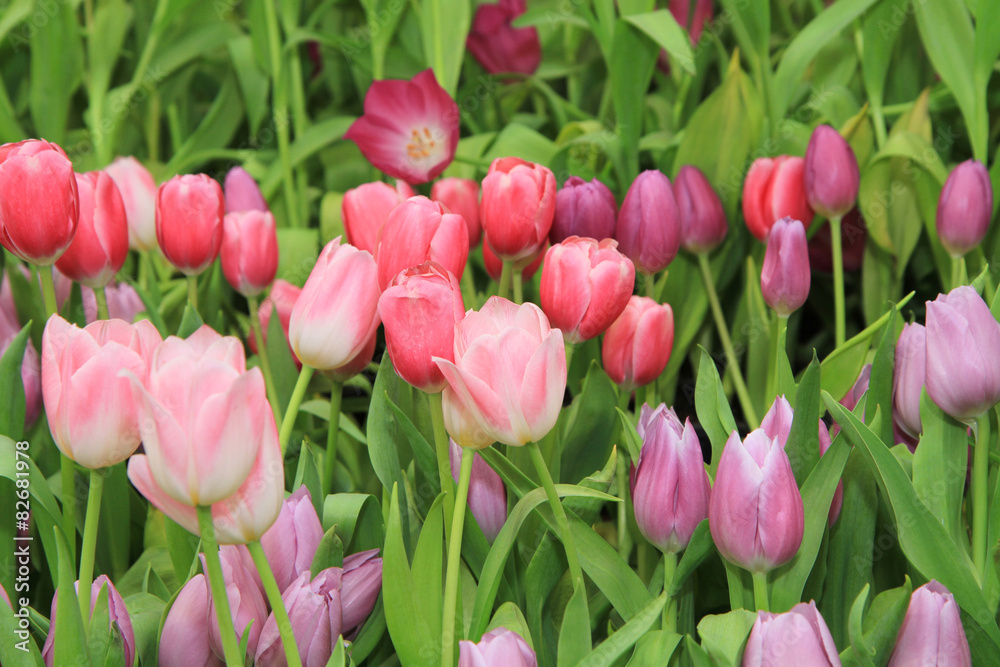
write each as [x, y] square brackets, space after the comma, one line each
[119, 622]
[360, 587]
[932, 632]
[853, 235]
[517, 209]
[755, 513]
[831, 176]
[775, 189]
[249, 251]
[499, 646]
[908, 377]
[584, 209]
[246, 599]
[670, 487]
[500, 47]
[138, 192]
[365, 208]
[798, 636]
[417, 231]
[419, 310]
[336, 313]
[637, 345]
[242, 192]
[703, 222]
[290, 544]
[39, 204]
[509, 371]
[184, 640]
[355, 364]
[784, 276]
[282, 298]
[124, 303]
[649, 226]
[461, 196]
[963, 354]
[494, 265]
[487, 494]
[189, 213]
[585, 286]
[100, 246]
[965, 208]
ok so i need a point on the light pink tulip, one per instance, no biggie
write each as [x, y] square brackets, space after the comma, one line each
[637, 345]
[909, 375]
[487, 494]
[138, 192]
[461, 196]
[365, 208]
[417, 231]
[100, 246]
[184, 641]
[799, 636]
[290, 544]
[246, 599]
[932, 632]
[497, 647]
[249, 251]
[965, 208]
[831, 176]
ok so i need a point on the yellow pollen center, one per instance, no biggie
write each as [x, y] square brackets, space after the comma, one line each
[421, 144]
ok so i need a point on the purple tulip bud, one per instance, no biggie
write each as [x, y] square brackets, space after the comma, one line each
[117, 617]
[784, 276]
[799, 636]
[584, 209]
[932, 632]
[755, 513]
[858, 389]
[831, 176]
[703, 222]
[647, 414]
[497, 647]
[908, 378]
[965, 208]
[290, 543]
[184, 641]
[777, 423]
[670, 486]
[246, 598]
[360, 587]
[242, 193]
[963, 354]
[649, 228]
[487, 494]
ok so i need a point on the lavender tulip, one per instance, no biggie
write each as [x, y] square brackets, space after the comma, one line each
[799, 636]
[831, 175]
[487, 494]
[184, 641]
[497, 647]
[584, 209]
[932, 632]
[242, 192]
[290, 544]
[649, 227]
[908, 377]
[246, 598]
[784, 276]
[703, 222]
[965, 208]
[119, 622]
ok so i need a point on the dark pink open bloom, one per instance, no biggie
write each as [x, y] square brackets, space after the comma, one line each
[409, 129]
[500, 47]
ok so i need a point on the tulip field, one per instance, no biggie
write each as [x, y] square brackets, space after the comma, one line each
[516, 333]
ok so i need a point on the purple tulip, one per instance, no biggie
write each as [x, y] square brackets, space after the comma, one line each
[703, 222]
[784, 276]
[965, 208]
[908, 377]
[487, 494]
[584, 209]
[242, 192]
[497, 647]
[932, 632]
[118, 618]
[648, 230]
[799, 637]
[777, 423]
[290, 543]
[246, 598]
[184, 641]
[831, 176]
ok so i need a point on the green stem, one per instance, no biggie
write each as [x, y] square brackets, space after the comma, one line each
[441, 449]
[265, 359]
[48, 291]
[621, 472]
[727, 344]
[518, 287]
[90, 543]
[650, 285]
[569, 544]
[760, 591]
[670, 609]
[980, 477]
[192, 282]
[277, 604]
[454, 560]
[301, 385]
[506, 279]
[781, 326]
[838, 280]
[280, 112]
[469, 289]
[330, 460]
[218, 587]
[102, 304]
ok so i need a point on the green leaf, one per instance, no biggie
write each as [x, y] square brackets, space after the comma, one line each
[521, 141]
[574, 633]
[713, 408]
[182, 545]
[19, 648]
[307, 474]
[329, 553]
[13, 14]
[589, 426]
[803, 439]
[12, 385]
[854, 627]
[509, 616]
[423, 453]
[751, 23]
[939, 468]
[111, 23]
[56, 70]
[216, 129]
[339, 656]
[70, 640]
[310, 142]
[724, 635]
[632, 442]
[654, 647]
[878, 398]
[662, 28]
[633, 59]
[357, 518]
[698, 549]
[254, 82]
[615, 646]
[444, 25]
[190, 322]
[880, 33]
[882, 623]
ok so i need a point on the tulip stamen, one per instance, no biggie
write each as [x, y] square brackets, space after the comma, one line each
[421, 145]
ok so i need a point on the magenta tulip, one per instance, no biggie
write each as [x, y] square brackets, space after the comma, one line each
[500, 47]
[119, 622]
[249, 251]
[799, 636]
[365, 208]
[784, 275]
[461, 196]
[775, 189]
[637, 345]
[584, 209]
[908, 378]
[499, 646]
[189, 212]
[100, 246]
[138, 192]
[184, 641]
[417, 231]
[831, 176]
[242, 193]
[649, 227]
[517, 209]
[965, 208]
[932, 632]
[290, 544]
[703, 222]
[487, 494]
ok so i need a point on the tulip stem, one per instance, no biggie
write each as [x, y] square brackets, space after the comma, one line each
[506, 279]
[192, 282]
[48, 291]
[760, 591]
[781, 325]
[454, 560]
[957, 272]
[650, 284]
[217, 584]
[441, 448]
[569, 544]
[293, 405]
[838, 280]
[980, 477]
[330, 460]
[670, 609]
[90, 543]
[265, 360]
[102, 304]
[277, 604]
[518, 280]
[727, 344]
[279, 98]
[621, 472]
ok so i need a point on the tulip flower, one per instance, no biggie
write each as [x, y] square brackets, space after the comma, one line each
[500, 47]
[409, 129]
[355, 364]
[965, 208]
[100, 246]
[509, 372]
[419, 309]
[417, 231]
[584, 209]
[499, 646]
[963, 354]
[681, 11]
[461, 196]
[91, 411]
[246, 599]
[831, 176]
[138, 191]
[184, 641]
[242, 193]
[494, 265]
[336, 313]
[703, 222]
[487, 494]
[119, 622]
[189, 213]
[908, 377]
[784, 276]
[365, 208]
[798, 636]
[853, 236]
[282, 298]
[670, 486]
[290, 544]
[585, 286]
[637, 345]
[249, 251]
[31, 375]
[932, 632]
[649, 227]
[39, 204]
[755, 513]
[517, 209]
[775, 189]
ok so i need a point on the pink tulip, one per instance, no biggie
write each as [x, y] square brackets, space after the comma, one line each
[965, 208]
[119, 622]
[775, 189]
[784, 275]
[31, 373]
[355, 364]
[290, 544]
[798, 636]
[282, 297]
[461, 196]
[509, 372]
[585, 286]
[703, 222]
[124, 303]
[487, 494]
[681, 10]
[838, 496]
[649, 227]
[409, 129]
[242, 192]
[138, 192]
[932, 632]
[336, 314]
[184, 641]
[39, 204]
[365, 208]
[494, 265]
[189, 212]
[100, 246]
[249, 251]
[908, 378]
[246, 599]
[417, 231]
[517, 209]
[500, 47]
[637, 345]
[755, 514]
[831, 176]
[499, 646]
[584, 209]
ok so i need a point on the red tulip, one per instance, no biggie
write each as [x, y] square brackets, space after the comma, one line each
[500, 47]
[282, 297]
[774, 189]
[637, 345]
[649, 227]
[138, 191]
[518, 206]
[189, 212]
[417, 231]
[461, 196]
[249, 251]
[365, 208]
[100, 246]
